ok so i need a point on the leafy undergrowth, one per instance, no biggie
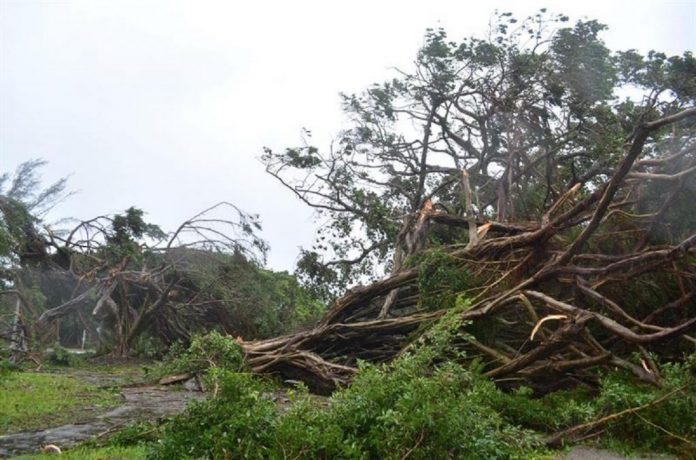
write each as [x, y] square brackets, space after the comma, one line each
[668, 426]
[387, 413]
[209, 351]
[421, 406]
[32, 400]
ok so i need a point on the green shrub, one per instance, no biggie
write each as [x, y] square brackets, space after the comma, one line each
[238, 423]
[553, 412]
[414, 407]
[149, 347]
[212, 350]
[423, 405]
[135, 434]
[7, 368]
[390, 411]
[664, 426]
[60, 356]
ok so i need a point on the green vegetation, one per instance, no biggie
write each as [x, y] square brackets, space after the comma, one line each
[212, 350]
[170, 288]
[579, 200]
[60, 356]
[420, 406]
[236, 424]
[412, 405]
[387, 412]
[233, 283]
[441, 279]
[89, 453]
[668, 426]
[30, 400]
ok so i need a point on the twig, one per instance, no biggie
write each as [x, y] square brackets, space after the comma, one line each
[667, 432]
[421, 436]
[556, 439]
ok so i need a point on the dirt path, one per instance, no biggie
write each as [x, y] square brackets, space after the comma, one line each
[139, 403]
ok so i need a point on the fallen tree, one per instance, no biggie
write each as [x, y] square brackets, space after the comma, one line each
[132, 289]
[503, 178]
[549, 302]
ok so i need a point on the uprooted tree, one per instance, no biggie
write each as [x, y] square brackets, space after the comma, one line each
[205, 275]
[126, 286]
[535, 181]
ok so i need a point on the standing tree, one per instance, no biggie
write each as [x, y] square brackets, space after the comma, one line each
[24, 248]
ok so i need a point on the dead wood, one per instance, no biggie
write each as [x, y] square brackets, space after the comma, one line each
[172, 379]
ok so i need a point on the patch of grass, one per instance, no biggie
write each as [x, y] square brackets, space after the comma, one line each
[100, 453]
[31, 400]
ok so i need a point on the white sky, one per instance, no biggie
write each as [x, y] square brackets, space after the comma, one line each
[166, 105]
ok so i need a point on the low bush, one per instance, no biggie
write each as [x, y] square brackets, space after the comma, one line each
[212, 350]
[238, 423]
[553, 412]
[7, 367]
[60, 356]
[397, 411]
[412, 407]
[667, 426]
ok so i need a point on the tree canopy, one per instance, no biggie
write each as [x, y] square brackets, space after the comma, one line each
[536, 107]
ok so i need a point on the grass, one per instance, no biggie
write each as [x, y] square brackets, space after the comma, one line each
[102, 453]
[32, 400]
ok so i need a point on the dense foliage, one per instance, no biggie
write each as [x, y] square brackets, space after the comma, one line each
[209, 351]
[422, 407]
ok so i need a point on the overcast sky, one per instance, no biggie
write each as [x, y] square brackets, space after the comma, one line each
[167, 105]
